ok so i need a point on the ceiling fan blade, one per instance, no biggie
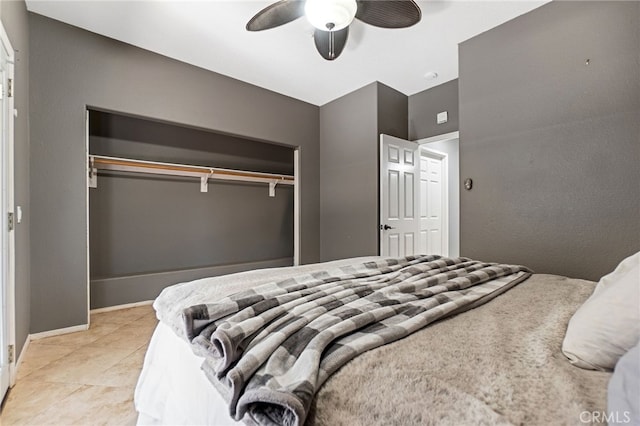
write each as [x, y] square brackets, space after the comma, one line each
[389, 13]
[276, 14]
[330, 43]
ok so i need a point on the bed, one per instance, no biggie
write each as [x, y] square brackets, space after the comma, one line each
[494, 363]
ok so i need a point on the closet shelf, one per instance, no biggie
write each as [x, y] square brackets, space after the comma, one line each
[100, 162]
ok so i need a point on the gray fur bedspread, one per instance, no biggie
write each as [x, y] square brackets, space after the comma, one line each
[268, 349]
[499, 364]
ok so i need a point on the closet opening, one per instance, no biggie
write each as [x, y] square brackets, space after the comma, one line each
[155, 220]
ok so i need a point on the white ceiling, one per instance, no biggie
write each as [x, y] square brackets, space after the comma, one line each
[212, 35]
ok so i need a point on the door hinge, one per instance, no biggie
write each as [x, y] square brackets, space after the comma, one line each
[11, 221]
[10, 88]
[12, 354]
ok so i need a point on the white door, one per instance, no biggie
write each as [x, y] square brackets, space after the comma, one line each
[6, 182]
[399, 177]
[433, 203]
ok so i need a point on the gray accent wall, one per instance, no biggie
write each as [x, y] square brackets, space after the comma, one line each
[16, 23]
[72, 69]
[131, 288]
[348, 176]
[392, 114]
[349, 162]
[553, 143]
[425, 106]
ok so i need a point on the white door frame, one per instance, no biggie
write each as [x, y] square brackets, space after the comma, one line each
[296, 206]
[9, 208]
[86, 188]
[440, 138]
[432, 153]
[446, 137]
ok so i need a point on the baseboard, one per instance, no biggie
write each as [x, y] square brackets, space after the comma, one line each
[118, 307]
[23, 351]
[58, 332]
[14, 375]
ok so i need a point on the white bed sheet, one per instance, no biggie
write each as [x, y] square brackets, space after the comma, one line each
[172, 390]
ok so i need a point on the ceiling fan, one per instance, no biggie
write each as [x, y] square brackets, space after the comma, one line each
[331, 18]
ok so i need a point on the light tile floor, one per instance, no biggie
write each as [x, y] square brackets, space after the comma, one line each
[84, 378]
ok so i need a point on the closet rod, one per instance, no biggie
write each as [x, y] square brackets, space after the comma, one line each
[125, 164]
[102, 162]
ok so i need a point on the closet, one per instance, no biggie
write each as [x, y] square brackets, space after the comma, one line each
[170, 203]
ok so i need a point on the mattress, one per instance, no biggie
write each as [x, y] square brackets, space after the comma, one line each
[499, 363]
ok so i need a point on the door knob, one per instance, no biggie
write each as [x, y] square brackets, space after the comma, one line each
[386, 227]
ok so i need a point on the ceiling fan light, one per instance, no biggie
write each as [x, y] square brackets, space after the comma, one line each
[330, 15]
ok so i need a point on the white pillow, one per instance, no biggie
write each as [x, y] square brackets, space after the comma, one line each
[607, 325]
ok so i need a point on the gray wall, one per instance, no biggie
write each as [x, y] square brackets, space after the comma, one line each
[72, 69]
[424, 106]
[15, 20]
[349, 162]
[552, 144]
[130, 288]
[348, 176]
[142, 224]
[392, 115]
[136, 137]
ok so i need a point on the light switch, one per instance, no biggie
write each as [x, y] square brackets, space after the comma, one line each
[18, 214]
[442, 117]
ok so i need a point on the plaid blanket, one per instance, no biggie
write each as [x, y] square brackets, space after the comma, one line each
[269, 349]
